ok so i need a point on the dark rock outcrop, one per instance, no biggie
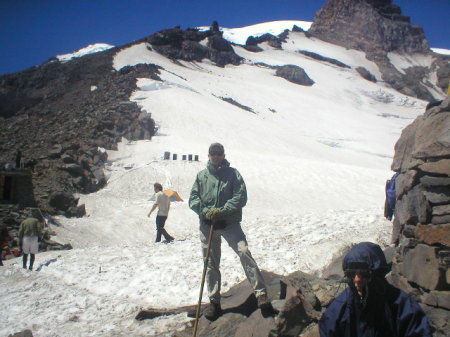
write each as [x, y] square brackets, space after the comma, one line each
[272, 40]
[422, 259]
[62, 116]
[179, 44]
[368, 25]
[323, 58]
[366, 74]
[294, 74]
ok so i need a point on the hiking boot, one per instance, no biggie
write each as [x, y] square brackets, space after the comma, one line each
[264, 303]
[212, 311]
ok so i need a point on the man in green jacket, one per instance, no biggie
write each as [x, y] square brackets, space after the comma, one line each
[30, 232]
[218, 196]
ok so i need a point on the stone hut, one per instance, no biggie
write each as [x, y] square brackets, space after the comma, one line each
[16, 187]
[422, 211]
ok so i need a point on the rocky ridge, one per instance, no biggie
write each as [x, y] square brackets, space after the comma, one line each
[378, 27]
[63, 115]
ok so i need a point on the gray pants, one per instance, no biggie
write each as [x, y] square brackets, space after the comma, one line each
[235, 237]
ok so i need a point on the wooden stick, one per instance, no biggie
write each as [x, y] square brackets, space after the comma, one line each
[205, 266]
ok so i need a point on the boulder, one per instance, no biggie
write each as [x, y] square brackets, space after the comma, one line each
[75, 170]
[294, 74]
[56, 151]
[221, 52]
[366, 74]
[24, 333]
[62, 201]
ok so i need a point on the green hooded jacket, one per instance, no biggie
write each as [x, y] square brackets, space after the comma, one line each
[222, 188]
[30, 227]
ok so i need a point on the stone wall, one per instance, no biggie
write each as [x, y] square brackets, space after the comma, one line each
[422, 259]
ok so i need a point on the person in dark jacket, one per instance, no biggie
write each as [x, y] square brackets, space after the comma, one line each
[218, 196]
[370, 306]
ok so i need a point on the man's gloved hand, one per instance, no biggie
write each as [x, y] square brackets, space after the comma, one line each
[214, 214]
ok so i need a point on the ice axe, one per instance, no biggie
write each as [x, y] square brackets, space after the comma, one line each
[205, 266]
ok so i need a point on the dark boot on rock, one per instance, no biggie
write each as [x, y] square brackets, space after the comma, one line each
[265, 305]
[212, 311]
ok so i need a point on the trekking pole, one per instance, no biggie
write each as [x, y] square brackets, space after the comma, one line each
[205, 266]
[42, 215]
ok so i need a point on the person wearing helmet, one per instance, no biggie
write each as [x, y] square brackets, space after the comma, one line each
[370, 306]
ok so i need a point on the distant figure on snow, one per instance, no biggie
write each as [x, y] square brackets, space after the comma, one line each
[30, 232]
[370, 306]
[162, 202]
[218, 196]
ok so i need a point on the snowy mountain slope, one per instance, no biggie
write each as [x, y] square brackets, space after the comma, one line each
[314, 159]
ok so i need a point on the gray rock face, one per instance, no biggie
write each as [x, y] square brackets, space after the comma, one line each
[368, 25]
[377, 28]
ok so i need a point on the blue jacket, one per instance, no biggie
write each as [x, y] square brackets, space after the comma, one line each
[386, 312]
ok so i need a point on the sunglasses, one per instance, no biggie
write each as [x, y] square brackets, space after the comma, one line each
[363, 273]
[216, 153]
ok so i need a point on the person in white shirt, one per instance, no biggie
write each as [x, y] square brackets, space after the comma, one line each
[163, 204]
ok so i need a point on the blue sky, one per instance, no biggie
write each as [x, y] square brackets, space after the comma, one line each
[32, 31]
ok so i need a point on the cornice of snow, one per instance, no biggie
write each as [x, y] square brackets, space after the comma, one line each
[240, 35]
[91, 49]
[441, 51]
